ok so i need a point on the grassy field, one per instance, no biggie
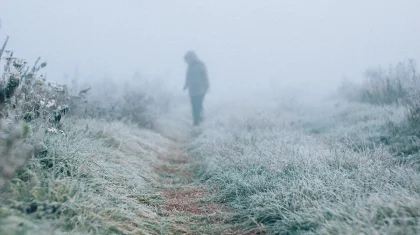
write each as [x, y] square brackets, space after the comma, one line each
[97, 177]
[279, 167]
[313, 170]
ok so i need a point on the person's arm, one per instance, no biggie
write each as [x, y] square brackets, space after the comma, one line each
[186, 84]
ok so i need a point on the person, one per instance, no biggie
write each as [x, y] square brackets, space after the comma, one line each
[197, 84]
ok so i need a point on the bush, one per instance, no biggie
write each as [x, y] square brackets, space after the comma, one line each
[398, 85]
[27, 103]
[30, 104]
[136, 101]
[392, 86]
[59, 170]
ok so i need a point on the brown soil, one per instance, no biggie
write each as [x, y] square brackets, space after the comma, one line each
[187, 206]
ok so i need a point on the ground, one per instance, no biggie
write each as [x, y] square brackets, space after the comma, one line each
[187, 206]
[277, 168]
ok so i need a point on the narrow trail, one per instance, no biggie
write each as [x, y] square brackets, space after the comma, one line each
[186, 207]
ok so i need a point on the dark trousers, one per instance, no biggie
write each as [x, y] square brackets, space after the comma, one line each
[197, 108]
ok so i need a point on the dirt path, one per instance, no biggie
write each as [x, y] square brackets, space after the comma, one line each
[186, 207]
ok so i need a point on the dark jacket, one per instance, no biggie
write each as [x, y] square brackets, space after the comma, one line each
[196, 80]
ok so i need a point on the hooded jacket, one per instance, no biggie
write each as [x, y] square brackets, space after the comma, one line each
[196, 79]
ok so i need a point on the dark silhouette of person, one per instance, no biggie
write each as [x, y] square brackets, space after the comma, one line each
[197, 84]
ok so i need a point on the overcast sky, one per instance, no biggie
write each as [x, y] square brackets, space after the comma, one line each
[292, 42]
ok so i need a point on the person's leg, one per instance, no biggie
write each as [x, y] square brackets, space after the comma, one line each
[195, 109]
[200, 107]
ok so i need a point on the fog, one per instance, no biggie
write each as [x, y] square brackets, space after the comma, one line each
[245, 44]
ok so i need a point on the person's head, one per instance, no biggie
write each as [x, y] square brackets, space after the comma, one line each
[190, 57]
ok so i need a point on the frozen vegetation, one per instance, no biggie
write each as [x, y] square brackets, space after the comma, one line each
[297, 171]
[91, 161]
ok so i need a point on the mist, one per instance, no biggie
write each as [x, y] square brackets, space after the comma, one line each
[210, 117]
[246, 45]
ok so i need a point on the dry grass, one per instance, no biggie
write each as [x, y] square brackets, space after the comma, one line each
[279, 176]
[97, 178]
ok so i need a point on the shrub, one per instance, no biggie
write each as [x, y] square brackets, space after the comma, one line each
[380, 87]
[398, 85]
[59, 171]
[25, 97]
[137, 101]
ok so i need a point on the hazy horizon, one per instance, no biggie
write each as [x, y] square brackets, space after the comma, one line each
[245, 44]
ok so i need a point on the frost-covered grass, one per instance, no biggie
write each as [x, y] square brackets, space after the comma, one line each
[96, 179]
[364, 124]
[281, 177]
[282, 167]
